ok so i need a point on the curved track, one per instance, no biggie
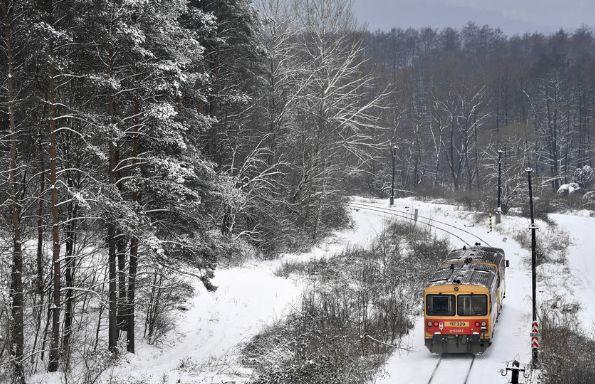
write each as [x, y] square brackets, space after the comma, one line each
[432, 223]
[447, 362]
[451, 369]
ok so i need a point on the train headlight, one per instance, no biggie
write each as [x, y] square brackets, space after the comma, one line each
[429, 323]
[483, 323]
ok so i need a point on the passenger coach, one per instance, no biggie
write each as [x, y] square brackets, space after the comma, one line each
[463, 299]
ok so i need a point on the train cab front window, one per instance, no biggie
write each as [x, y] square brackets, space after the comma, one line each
[440, 305]
[472, 305]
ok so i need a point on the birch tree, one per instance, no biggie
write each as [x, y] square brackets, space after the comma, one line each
[337, 110]
[8, 10]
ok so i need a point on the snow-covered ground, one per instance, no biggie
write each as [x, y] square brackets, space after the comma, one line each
[580, 255]
[205, 345]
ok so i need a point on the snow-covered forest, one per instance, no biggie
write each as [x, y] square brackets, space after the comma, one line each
[146, 144]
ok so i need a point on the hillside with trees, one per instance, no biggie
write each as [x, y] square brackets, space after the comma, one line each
[459, 96]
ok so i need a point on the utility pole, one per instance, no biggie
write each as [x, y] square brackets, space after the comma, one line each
[535, 324]
[499, 209]
[392, 186]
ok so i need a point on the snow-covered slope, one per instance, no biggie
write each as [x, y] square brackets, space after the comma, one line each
[580, 256]
[205, 345]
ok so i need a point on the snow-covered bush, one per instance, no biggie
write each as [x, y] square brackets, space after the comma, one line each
[589, 196]
[584, 176]
[566, 355]
[568, 189]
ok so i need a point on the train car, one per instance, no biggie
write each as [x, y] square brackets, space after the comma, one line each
[483, 256]
[463, 299]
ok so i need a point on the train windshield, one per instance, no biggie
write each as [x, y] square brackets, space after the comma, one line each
[472, 305]
[440, 305]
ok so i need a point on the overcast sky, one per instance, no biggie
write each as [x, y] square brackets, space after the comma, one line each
[512, 16]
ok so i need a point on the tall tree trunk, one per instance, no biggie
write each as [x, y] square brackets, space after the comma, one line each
[55, 212]
[112, 288]
[112, 275]
[154, 305]
[48, 317]
[133, 243]
[39, 258]
[70, 241]
[131, 293]
[111, 228]
[121, 245]
[16, 285]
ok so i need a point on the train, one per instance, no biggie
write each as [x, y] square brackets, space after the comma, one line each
[463, 299]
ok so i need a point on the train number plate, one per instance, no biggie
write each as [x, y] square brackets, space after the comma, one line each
[457, 323]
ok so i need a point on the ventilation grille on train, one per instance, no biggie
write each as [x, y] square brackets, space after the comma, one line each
[442, 274]
[480, 278]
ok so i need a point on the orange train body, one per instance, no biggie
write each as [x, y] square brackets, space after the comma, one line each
[463, 300]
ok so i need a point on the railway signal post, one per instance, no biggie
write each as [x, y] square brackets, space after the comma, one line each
[392, 185]
[534, 345]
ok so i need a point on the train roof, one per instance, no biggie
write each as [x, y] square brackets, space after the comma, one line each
[488, 255]
[468, 274]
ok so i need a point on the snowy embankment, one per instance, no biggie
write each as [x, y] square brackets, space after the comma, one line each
[206, 342]
[580, 260]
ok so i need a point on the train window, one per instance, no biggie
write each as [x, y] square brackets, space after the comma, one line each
[440, 305]
[472, 305]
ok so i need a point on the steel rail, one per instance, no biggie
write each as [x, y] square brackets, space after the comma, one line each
[435, 370]
[469, 370]
[438, 365]
[426, 218]
[396, 214]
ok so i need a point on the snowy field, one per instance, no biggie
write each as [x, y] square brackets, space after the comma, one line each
[206, 343]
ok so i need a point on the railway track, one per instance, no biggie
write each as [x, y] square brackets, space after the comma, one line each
[448, 375]
[451, 369]
[432, 223]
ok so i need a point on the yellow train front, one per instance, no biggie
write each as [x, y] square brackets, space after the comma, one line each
[462, 301]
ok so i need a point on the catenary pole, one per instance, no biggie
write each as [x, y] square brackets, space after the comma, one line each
[392, 185]
[499, 208]
[533, 261]
[499, 180]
